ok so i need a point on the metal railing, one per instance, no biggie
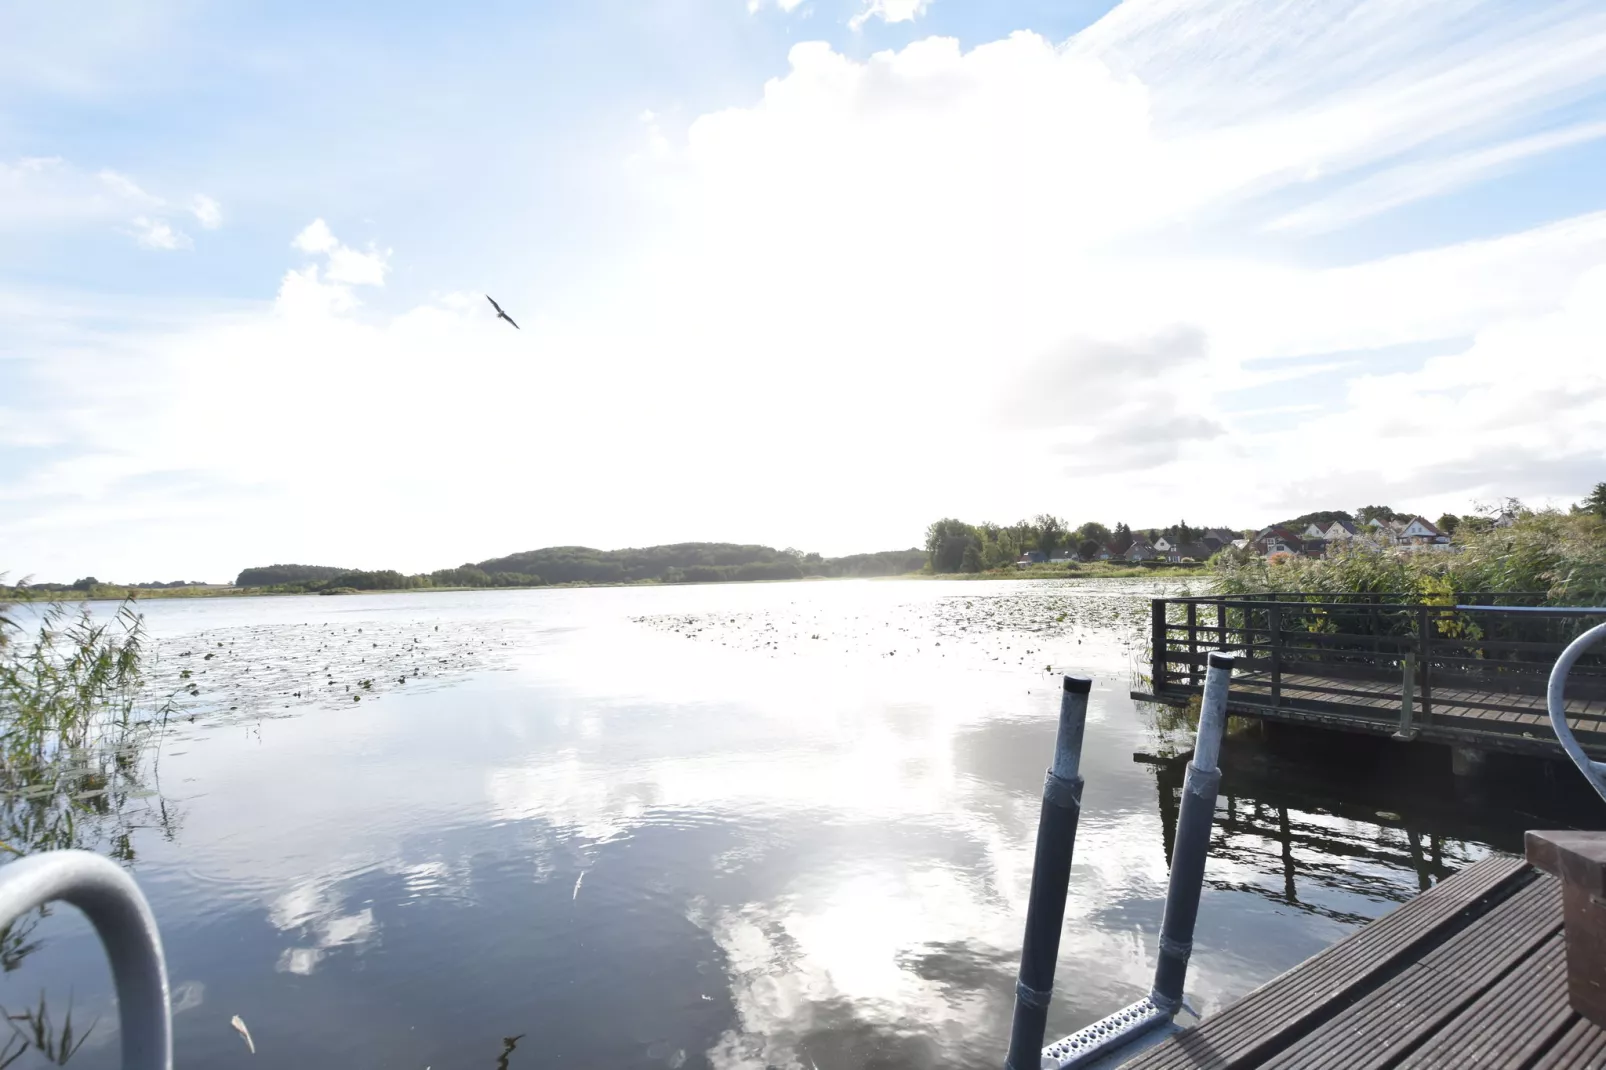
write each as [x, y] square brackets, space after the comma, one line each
[127, 929]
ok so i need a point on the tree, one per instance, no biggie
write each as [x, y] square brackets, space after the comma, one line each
[1323, 517]
[1595, 503]
[946, 541]
[1448, 523]
[1121, 540]
[1088, 549]
[1050, 533]
[1367, 513]
[1094, 531]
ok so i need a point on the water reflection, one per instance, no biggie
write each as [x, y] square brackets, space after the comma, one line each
[716, 841]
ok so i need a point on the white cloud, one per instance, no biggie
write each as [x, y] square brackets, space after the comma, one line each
[316, 238]
[50, 193]
[1411, 182]
[346, 265]
[359, 269]
[206, 211]
[889, 11]
[126, 188]
[867, 269]
[158, 234]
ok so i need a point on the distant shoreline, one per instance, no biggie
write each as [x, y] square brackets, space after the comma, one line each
[113, 593]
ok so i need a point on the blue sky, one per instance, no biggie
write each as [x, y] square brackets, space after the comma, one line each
[810, 273]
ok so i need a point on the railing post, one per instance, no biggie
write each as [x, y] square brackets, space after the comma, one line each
[1157, 643]
[1407, 685]
[1221, 626]
[1194, 819]
[1051, 875]
[1424, 629]
[1193, 645]
[1274, 625]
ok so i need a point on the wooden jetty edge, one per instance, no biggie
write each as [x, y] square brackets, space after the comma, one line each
[1471, 675]
[1472, 973]
[1502, 965]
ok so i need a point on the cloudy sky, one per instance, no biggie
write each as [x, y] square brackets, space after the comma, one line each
[801, 272]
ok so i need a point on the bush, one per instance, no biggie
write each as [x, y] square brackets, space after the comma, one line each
[1561, 556]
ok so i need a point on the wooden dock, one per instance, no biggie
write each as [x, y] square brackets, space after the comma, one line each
[1472, 973]
[1467, 674]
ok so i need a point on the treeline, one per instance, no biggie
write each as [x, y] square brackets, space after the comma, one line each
[1449, 523]
[957, 546]
[89, 583]
[698, 562]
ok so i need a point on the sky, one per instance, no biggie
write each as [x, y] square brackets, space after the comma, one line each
[806, 273]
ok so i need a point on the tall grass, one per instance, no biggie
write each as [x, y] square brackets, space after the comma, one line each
[1557, 555]
[76, 726]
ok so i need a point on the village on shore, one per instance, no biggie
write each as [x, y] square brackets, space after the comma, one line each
[1181, 545]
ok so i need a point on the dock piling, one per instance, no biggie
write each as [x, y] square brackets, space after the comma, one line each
[1194, 818]
[1051, 875]
[1146, 1019]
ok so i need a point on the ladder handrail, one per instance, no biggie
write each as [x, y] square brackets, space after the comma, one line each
[1594, 772]
[127, 929]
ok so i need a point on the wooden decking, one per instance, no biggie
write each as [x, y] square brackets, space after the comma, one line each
[1492, 720]
[1469, 974]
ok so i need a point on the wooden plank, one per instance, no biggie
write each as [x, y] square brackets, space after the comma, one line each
[1288, 1006]
[1583, 1045]
[1385, 1024]
[1511, 1024]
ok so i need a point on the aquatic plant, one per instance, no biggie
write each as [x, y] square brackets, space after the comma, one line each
[76, 726]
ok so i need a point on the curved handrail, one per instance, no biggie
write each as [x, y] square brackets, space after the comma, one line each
[1594, 772]
[122, 918]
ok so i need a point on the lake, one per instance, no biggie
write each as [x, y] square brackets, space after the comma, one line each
[759, 825]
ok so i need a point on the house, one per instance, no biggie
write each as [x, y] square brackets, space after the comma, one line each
[1164, 545]
[1064, 557]
[1029, 558]
[1420, 532]
[1334, 529]
[1142, 550]
[1223, 536]
[1276, 540]
[1188, 551]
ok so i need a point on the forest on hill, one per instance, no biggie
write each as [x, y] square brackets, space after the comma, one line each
[689, 562]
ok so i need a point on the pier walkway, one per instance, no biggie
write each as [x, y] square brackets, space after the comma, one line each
[1471, 673]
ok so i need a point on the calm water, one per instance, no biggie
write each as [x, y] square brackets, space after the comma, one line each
[781, 825]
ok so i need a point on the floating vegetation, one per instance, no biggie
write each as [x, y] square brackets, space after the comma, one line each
[257, 670]
[1014, 623]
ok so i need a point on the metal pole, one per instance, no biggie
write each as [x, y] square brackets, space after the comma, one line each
[1196, 814]
[113, 903]
[1051, 877]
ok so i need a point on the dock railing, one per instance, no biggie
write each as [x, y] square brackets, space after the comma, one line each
[1482, 660]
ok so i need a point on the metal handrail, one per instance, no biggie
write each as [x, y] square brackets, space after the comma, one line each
[122, 918]
[1555, 699]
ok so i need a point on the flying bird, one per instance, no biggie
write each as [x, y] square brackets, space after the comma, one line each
[499, 313]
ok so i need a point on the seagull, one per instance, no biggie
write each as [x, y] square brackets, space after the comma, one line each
[499, 313]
